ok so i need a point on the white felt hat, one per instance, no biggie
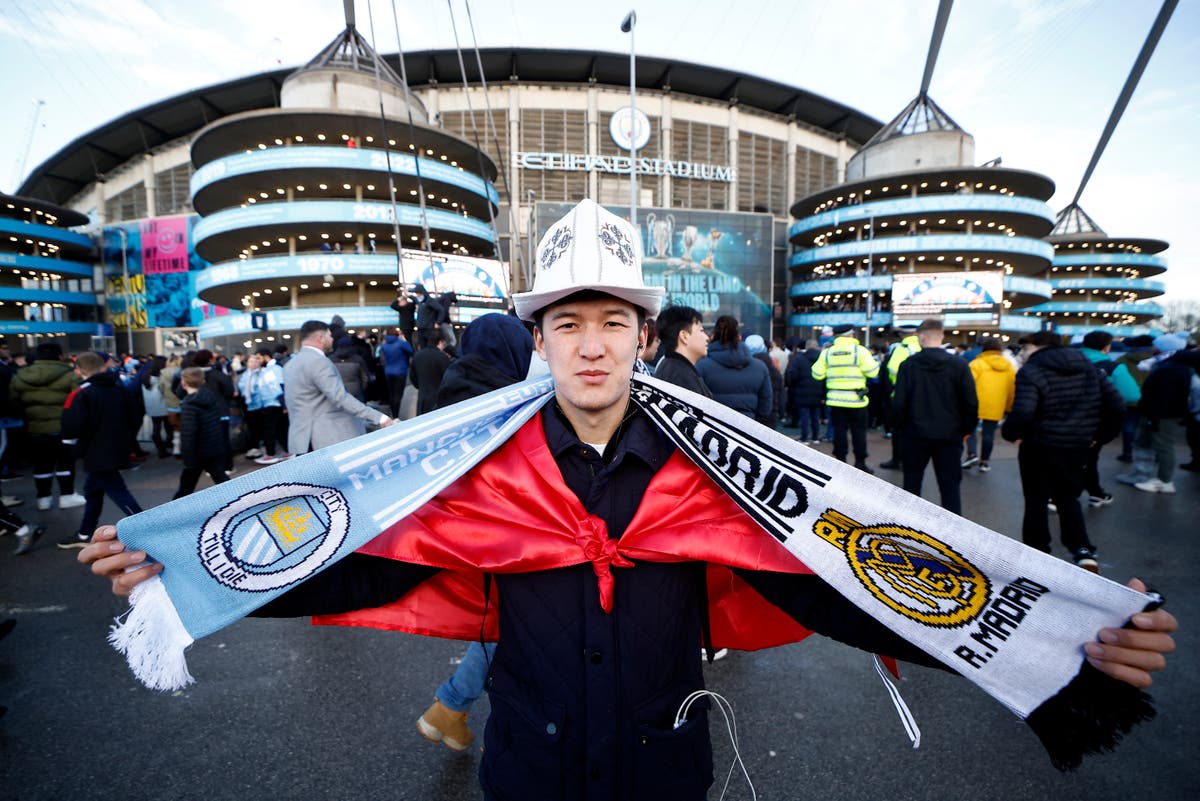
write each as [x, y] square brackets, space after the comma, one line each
[589, 248]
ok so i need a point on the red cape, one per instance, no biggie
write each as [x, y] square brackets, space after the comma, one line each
[513, 513]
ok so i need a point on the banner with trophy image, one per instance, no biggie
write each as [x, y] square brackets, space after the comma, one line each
[717, 262]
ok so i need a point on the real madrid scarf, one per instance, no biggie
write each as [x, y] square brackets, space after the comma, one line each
[1011, 619]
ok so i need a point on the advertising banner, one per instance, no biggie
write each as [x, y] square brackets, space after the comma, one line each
[959, 298]
[160, 290]
[717, 262]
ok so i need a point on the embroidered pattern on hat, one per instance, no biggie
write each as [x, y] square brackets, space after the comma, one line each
[555, 247]
[617, 243]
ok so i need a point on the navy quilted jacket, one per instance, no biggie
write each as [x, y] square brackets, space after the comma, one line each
[1063, 401]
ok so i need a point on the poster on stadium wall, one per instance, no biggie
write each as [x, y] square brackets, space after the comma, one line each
[717, 262]
[161, 290]
[958, 299]
[481, 285]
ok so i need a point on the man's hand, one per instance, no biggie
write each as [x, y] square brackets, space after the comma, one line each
[108, 557]
[1130, 654]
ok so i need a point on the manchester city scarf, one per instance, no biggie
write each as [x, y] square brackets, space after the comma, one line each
[1011, 619]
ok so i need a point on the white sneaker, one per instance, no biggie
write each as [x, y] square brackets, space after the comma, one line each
[45, 503]
[268, 459]
[71, 501]
[1156, 485]
[11, 500]
[254, 453]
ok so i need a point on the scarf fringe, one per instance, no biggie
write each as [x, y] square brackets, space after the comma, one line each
[1091, 715]
[153, 639]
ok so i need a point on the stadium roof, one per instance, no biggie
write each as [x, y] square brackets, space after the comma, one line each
[94, 154]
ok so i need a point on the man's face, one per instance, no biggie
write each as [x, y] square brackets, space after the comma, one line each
[321, 339]
[590, 347]
[693, 342]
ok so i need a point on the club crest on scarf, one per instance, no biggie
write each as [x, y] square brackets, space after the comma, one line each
[275, 536]
[909, 571]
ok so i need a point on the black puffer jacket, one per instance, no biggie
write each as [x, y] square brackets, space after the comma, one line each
[738, 380]
[202, 433]
[935, 396]
[1063, 401]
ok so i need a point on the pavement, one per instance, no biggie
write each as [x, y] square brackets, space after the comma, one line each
[284, 710]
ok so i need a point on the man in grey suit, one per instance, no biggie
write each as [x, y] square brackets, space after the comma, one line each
[320, 410]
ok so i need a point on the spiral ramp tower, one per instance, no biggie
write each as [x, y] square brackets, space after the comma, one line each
[915, 212]
[1100, 281]
[299, 217]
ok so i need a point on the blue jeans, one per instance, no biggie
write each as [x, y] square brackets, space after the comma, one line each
[987, 431]
[809, 418]
[95, 486]
[466, 685]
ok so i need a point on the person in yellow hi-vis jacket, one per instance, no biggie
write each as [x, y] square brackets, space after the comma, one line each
[845, 367]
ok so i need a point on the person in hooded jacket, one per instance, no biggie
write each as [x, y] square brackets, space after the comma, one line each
[395, 352]
[202, 433]
[39, 390]
[426, 369]
[1062, 404]
[805, 393]
[1137, 350]
[734, 377]
[995, 382]
[495, 352]
[757, 348]
[935, 408]
[429, 315]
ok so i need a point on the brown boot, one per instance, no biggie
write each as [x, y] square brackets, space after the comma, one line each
[440, 724]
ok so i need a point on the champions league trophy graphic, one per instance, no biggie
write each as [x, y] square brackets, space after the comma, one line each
[709, 261]
[690, 236]
[660, 233]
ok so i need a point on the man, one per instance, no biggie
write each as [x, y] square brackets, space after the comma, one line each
[845, 367]
[1062, 405]
[395, 353]
[1164, 411]
[39, 391]
[586, 701]
[896, 355]
[407, 311]
[426, 369]
[684, 342]
[935, 408]
[1096, 346]
[429, 315]
[320, 410]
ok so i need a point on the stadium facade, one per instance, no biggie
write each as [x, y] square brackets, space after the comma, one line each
[232, 213]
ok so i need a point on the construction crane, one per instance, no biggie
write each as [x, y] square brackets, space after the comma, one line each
[37, 113]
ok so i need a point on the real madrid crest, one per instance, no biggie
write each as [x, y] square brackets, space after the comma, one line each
[909, 571]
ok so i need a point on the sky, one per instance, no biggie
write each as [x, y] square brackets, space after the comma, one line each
[1034, 81]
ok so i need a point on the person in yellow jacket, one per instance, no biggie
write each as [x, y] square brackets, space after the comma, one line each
[845, 367]
[907, 346]
[995, 384]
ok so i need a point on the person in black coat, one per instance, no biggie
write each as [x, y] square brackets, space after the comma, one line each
[203, 436]
[426, 369]
[97, 419]
[934, 408]
[684, 342]
[406, 308]
[429, 315]
[1062, 405]
[804, 394]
